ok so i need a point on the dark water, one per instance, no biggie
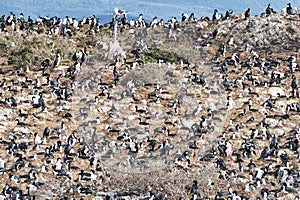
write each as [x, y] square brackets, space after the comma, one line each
[161, 8]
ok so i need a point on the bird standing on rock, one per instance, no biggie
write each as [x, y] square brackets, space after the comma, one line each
[216, 15]
[269, 10]
[294, 86]
[116, 75]
[289, 9]
[184, 17]
[194, 188]
[228, 14]
[247, 13]
[57, 60]
[154, 22]
[80, 56]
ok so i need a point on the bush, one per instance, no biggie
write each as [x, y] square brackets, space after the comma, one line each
[157, 54]
[12, 60]
[27, 55]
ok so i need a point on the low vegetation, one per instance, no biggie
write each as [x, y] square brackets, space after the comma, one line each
[155, 55]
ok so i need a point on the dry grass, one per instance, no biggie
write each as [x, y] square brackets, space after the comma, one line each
[168, 180]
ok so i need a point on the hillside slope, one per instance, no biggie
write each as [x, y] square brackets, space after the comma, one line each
[204, 109]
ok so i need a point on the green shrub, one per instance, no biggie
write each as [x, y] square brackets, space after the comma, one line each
[26, 56]
[157, 54]
[12, 60]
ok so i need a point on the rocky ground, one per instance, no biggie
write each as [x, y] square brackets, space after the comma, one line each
[202, 110]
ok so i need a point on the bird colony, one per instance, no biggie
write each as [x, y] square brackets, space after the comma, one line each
[191, 108]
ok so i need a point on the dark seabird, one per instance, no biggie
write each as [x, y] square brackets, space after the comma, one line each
[269, 10]
[289, 9]
[184, 17]
[141, 21]
[247, 13]
[221, 163]
[25, 115]
[46, 63]
[294, 86]
[216, 15]
[215, 33]
[57, 60]
[193, 145]
[80, 56]
[228, 14]
[116, 74]
[154, 22]
[222, 51]
[194, 188]
[264, 154]
[192, 18]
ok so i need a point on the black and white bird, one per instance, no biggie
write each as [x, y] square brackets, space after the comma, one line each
[294, 86]
[2, 164]
[194, 188]
[269, 10]
[154, 22]
[116, 74]
[80, 56]
[216, 15]
[291, 59]
[119, 11]
[57, 60]
[228, 14]
[215, 33]
[46, 63]
[192, 17]
[141, 21]
[184, 17]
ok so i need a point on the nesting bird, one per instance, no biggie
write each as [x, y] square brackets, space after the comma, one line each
[46, 63]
